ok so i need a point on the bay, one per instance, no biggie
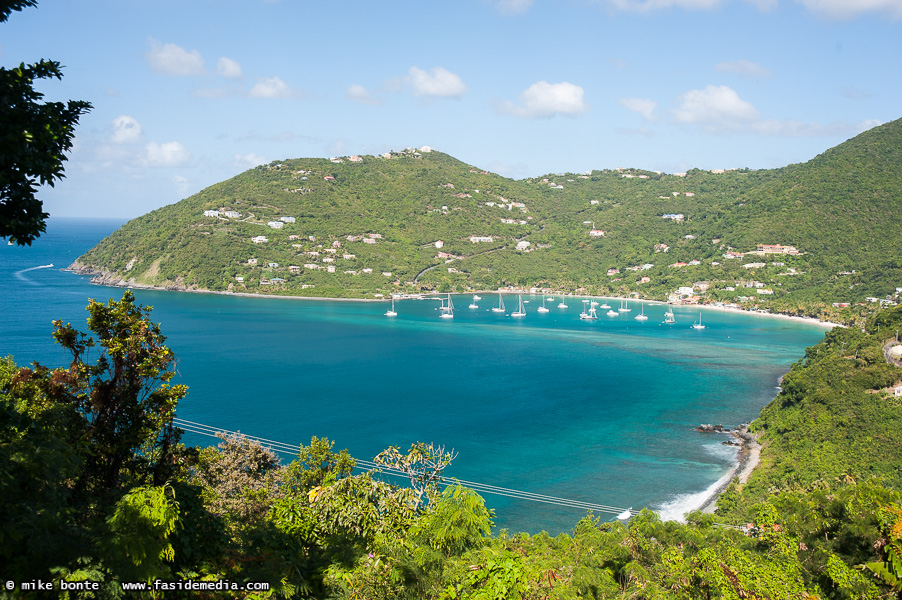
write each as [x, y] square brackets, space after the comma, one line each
[599, 411]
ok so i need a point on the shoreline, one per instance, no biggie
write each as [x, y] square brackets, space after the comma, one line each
[729, 309]
[749, 457]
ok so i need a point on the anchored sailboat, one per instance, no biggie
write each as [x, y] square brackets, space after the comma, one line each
[500, 307]
[447, 309]
[521, 310]
[391, 312]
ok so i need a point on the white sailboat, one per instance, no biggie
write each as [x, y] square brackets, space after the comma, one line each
[669, 319]
[562, 304]
[521, 310]
[543, 308]
[391, 312]
[584, 313]
[473, 303]
[624, 307]
[500, 307]
[613, 313]
[589, 316]
[641, 316]
[698, 324]
[605, 306]
[447, 310]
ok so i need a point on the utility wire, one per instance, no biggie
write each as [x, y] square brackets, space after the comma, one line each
[292, 449]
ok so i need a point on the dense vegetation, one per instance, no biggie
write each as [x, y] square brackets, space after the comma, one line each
[840, 210]
[97, 491]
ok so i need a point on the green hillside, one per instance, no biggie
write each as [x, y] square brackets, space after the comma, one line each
[368, 225]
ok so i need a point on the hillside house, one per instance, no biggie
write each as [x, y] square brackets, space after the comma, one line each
[287, 219]
[439, 244]
[777, 249]
[481, 238]
[675, 216]
[231, 214]
[330, 269]
[294, 237]
[311, 266]
[294, 269]
[596, 233]
[260, 239]
[523, 246]
[211, 213]
[273, 265]
[252, 261]
[276, 224]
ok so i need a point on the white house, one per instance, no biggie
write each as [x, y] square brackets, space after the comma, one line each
[287, 219]
[252, 261]
[439, 244]
[523, 246]
[211, 213]
[685, 291]
[276, 224]
[481, 238]
[232, 214]
[260, 239]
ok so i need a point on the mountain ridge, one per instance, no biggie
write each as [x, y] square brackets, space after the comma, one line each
[391, 223]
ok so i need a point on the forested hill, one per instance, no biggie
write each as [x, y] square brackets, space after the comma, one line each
[359, 226]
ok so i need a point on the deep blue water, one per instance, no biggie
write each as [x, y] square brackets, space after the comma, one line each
[595, 411]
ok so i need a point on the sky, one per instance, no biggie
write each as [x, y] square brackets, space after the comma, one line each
[187, 93]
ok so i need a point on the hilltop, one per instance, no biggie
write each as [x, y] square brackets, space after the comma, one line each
[794, 239]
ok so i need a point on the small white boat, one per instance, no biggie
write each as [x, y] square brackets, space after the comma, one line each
[500, 307]
[474, 305]
[391, 312]
[562, 304]
[589, 316]
[698, 324]
[447, 309]
[521, 310]
[543, 308]
[624, 307]
[642, 316]
[613, 313]
[669, 319]
[476, 298]
[605, 306]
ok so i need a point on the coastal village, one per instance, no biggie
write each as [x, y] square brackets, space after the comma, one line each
[350, 255]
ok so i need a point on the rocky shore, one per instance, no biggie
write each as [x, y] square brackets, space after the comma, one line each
[749, 456]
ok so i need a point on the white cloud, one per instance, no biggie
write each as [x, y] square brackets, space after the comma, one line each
[271, 87]
[716, 108]
[440, 83]
[167, 154]
[170, 59]
[719, 109]
[545, 99]
[228, 68]
[643, 106]
[126, 130]
[249, 161]
[360, 94]
[742, 67]
[847, 9]
[512, 7]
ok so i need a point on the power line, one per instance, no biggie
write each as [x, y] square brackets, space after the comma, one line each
[485, 488]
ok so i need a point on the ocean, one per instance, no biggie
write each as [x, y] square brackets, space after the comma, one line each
[596, 411]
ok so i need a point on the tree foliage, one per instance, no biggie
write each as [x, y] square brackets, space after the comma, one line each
[34, 139]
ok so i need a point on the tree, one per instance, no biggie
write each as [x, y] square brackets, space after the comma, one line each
[34, 138]
[124, 399]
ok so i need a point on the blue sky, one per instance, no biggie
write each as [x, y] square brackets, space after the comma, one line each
[187, 93]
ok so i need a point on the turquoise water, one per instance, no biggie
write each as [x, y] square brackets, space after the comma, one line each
[595, 411]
